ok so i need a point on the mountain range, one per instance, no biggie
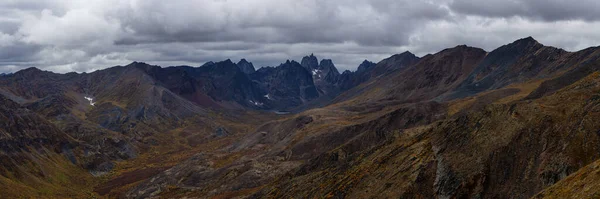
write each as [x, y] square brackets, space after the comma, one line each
[516, 122]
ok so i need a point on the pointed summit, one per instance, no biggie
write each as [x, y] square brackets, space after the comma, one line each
[326, 71]
[407, 53]
[530, 38]
[228, 61]
[246, 67]
[364, 66]
[310, 62]
[326, 63]
[527, 41]
[209, 63]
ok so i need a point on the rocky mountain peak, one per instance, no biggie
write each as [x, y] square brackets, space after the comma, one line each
[524, 43]
[529, 39]
[208, 64]
[407, 53]
[326, 71]
[310, 62]
[326, 63]
[365, 65]
[246, 67]
[228, 62]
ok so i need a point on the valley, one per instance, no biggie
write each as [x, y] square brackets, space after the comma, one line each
[516, 122]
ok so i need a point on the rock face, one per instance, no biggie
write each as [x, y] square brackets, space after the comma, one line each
[349, 79]
[310, 62]
[209, 85]
[285, 86]
[246, 67]
[327, 71]
[364, 66]
[21, 128]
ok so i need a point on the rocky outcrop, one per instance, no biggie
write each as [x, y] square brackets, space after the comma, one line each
[246, 67]
[286, 86]
[349, 79]
[310, 62]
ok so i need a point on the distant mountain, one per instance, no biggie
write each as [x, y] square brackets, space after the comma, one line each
[364, 66]
[246, 66]
[216, 85]
[516, 62]
[310, 62]
[349, 79]
[285, 86]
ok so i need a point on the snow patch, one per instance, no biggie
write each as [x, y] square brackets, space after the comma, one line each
[317, 73]
[91, 100]
[256, 103]
[267, 96]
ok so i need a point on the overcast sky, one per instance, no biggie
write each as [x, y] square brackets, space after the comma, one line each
[86, 35]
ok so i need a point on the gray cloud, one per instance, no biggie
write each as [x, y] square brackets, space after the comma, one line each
[82, 36]
[548, 10]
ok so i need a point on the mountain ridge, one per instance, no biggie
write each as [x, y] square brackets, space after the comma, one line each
[449, 124]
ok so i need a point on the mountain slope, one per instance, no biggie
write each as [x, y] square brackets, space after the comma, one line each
[432, 76]
[500, 151]
[460, 123]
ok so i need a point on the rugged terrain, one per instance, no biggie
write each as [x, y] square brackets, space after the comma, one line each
[517, 122]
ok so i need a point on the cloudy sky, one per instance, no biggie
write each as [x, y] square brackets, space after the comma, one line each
[86, 35]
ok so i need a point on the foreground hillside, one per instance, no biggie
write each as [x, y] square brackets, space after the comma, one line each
[516, 122]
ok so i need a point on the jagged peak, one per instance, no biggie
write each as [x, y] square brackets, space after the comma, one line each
[326, 61]
[366, 62]
[243, 60]
[311, 56]
[208, 63]
[289, 63]
[227, 61]
[365, 65]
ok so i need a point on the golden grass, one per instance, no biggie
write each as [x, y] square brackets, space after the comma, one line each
[61, 180]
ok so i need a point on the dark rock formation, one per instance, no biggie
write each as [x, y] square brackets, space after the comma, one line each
[246, 66]
[285, 86]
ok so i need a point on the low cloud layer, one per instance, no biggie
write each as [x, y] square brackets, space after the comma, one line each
[84, 36]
